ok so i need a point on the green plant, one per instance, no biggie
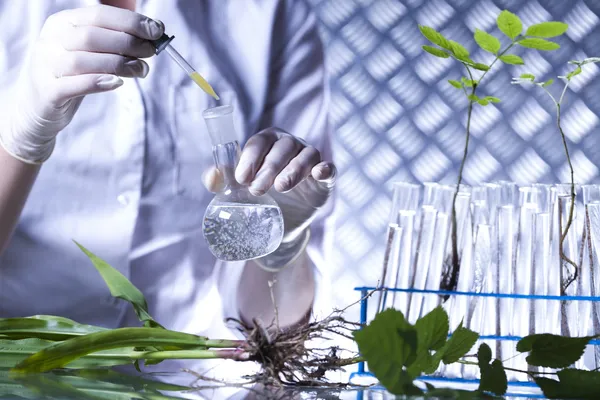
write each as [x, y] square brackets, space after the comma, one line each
[558, 102]
[399, 354]
[511, 26]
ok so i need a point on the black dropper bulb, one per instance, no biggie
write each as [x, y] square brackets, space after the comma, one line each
[162, 42]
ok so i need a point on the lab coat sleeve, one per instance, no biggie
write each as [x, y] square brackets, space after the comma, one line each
[297, 102]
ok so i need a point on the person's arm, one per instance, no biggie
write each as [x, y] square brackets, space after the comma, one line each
[16, 180]
[298, 104]
[79, 52]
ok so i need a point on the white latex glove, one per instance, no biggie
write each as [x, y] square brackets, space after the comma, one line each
[79, 52]
[293, 173]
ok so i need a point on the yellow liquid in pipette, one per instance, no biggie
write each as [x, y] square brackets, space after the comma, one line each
[200, 81]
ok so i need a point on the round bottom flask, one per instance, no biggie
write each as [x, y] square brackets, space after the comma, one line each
[237, 225]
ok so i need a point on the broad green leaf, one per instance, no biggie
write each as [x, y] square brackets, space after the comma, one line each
[432, 329]
[481, 67]
[547, 29]
[435, 37]
[459, 344]
[509, 24]
[62, 353]
[574, 384]
[492, 99]
[548, 83]
[473, 97]
[122, 288]
[487, 42]
[12, 352]
[484, 355]
[512, 59]
[44, 327]
[454, 83]
[493, 378]
[528, 76]
[552, 351]
[573, 73]
[459, 51]
[483, 102]
[435, 51]
[388, 343]
[539, 44]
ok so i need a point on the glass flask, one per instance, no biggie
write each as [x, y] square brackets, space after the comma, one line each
[237, 225]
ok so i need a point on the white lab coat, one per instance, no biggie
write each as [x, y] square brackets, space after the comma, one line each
[125, 177]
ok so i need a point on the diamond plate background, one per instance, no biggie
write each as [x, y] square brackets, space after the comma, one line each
[396, 117]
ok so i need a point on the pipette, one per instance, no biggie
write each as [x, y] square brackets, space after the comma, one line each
[164, 43]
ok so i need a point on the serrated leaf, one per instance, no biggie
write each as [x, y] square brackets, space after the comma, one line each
[454, 83]
[573, 73]
[459, 51]
[484, 355]
[548, 82]
[493, 378]
[539, 44]
[432, 329]
[509, 24]
[552, 351]
[435, 51]
[528, 76]
[512, 59]
[547, 29]
[435, 37]
[481, 67]
[487, 42]
[388, 343]
[574, 384]
[492, 99]
[459, 344]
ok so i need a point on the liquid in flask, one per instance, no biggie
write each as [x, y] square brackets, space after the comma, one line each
[237, 225]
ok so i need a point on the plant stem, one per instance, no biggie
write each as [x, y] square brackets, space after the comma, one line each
[226, 354]
[532, 374]
[455, 267]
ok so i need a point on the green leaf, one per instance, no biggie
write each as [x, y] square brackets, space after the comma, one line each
[435, 37]
[459, 344]
[552, 351]
[548, 83]
[547, 29]
[467, 82]
[492, 99]
[120, 287]
[487, 42]
[435, 51]
[512, 59]
[389, 343]
[483, 102]
[432, 329]
[509, 24]
[473, 97]
[454, 83]
[539, 44]
[481, 67]
[573, 73]
[62, 353]
[528, 76]
[459, 51]
[493, 378]
[574, 384]
[46, 327]
[484, 355]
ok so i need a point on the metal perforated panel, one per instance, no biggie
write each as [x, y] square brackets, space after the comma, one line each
[396, 117]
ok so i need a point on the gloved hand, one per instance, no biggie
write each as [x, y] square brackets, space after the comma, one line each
[294, 175]
[79, 52]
